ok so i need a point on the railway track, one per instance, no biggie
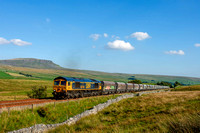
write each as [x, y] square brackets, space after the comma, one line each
[5, 104]
[15, 103]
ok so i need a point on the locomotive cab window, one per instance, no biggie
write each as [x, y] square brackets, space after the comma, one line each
[96, 85]
[63, 83]
[56, 82]
[68, 83]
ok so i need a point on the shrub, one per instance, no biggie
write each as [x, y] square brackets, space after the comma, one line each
[27, 75]
[43, 111]
[163, 83]
[136, 81]
[38, 92]
[177, 84]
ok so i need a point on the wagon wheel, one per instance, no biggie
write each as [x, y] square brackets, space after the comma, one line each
[81, 94]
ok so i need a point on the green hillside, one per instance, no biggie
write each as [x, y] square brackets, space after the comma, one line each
[16, 81]
[4, 75]
[47, 70]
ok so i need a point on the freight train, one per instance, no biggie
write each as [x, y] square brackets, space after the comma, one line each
[70, 87]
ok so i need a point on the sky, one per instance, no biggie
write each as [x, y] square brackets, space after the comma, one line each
[160, 37]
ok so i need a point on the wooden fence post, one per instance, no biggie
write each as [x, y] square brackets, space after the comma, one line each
[8, 111]
[32, 108]
[67, 108]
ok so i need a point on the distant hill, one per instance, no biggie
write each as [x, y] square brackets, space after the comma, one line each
[31, 62]
[30, 68]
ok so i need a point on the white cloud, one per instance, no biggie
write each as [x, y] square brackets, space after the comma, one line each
[140, 35]
[105, 35]
[48, 20]
[95, 36]
[93, 46]
[174, 52]
[4, 41]
[19, 42]
[197, 45]
[120, 45]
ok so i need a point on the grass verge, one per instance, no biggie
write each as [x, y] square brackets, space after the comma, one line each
[187, 88]
[48, 114]
[160, 112]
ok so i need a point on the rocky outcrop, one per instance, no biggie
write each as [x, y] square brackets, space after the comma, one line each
[31, 62]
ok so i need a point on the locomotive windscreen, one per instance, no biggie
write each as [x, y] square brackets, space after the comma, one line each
[56, 82]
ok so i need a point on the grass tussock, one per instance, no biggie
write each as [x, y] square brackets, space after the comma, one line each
[161, 112]
[48, 114]
[184, 124]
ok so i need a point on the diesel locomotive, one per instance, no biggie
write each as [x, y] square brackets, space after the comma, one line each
[70, 87]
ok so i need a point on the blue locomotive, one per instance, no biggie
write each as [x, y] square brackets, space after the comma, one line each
[70, 87]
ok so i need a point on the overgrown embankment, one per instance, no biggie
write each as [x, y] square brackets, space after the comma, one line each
[159, 112]
[48, 114]
[188, 88]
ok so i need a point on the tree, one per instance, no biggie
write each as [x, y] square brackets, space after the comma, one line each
[177, 84]
[136, 81]
[163, 83]
[132, 78]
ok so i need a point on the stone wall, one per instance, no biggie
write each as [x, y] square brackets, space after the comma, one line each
[42, 127]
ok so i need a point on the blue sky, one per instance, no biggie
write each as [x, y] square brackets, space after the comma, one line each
[125, 36]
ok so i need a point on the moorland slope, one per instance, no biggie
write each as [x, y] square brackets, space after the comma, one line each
[47, 70]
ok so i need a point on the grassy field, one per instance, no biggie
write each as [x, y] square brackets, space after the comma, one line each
[11, 89]
[188, 88]
[176, 111]
[14, 84]
[151, 113]
[4, 75]
[48, 114]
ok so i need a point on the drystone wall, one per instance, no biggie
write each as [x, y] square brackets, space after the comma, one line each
[39, 128]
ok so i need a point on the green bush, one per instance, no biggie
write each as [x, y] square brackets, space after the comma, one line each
[136, 81]
[43, 111]
[38, 92]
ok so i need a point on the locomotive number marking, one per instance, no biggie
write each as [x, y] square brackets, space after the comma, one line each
[88, 85]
